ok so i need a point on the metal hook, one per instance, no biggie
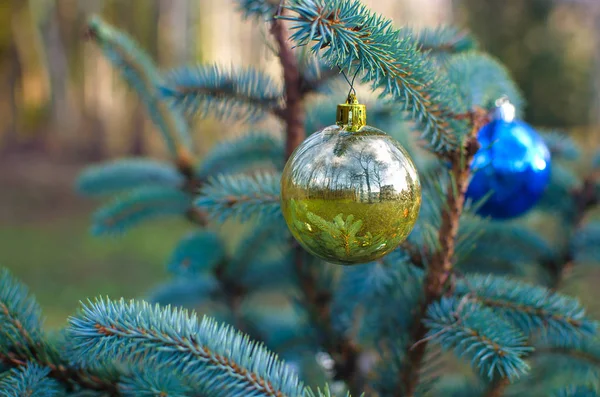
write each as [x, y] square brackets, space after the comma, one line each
[354, 78]
[351, 83]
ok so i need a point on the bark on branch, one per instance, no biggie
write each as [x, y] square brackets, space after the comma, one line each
[293, 112]
[440, 265]
[344, 353]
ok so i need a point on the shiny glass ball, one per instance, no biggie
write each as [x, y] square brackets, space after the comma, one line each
[512, 166]
[350, 197]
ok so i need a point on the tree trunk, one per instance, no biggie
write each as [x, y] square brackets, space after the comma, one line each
[12, 67]
[64, 115]
[595, 105]
[137, 146]
[175, 32]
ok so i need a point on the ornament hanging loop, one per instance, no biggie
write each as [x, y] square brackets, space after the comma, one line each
[350, 83]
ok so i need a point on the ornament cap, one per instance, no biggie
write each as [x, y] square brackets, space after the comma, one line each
[505, 110]
[352, 116]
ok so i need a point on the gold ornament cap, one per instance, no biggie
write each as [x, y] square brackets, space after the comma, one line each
[352, 116]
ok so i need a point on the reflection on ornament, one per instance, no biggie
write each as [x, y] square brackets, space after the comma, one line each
[512, 167]
[350, 193]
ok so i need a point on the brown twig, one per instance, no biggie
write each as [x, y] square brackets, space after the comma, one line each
[497, 388]
[440, 266]
[584, 198]
[576, 353]
[194, 348]
[227, 90]
[294, 106]
[292, 113]
[456, 314]
[344, 353]
[64, 374]
[417, 256]
[308, 86]
[342, 350]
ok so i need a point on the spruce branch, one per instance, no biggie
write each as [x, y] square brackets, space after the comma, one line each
[141, 204]
[576, 352]
[596, 162]
[312, 77]
[375, 302]
[186, 291]
[559, 197]
[31, 381]
[475, 332]
[440, 264]
[586, 243]
[233, 295]
[211, 356]
[344, 353]
[584, 349]
[497, 388]
[480, 79]
[561, 145]
[246, 272]
[454, 386]
[241, 196]
[444, 39]
[530, 308]
[294, 112]
[22, 342]
[354, 38]
[196, 253]
[248, 151]
[62, 370]
[317, 78]
[148, 381]
[418, 256]
[577, 391]
[584, 198]
[491, 241]
[246, 263]
[20, 316]
[580, 198]
[391, 284]
[324, 393]
[263, 9]
[119, 175]
[139, 72]
[242, 94]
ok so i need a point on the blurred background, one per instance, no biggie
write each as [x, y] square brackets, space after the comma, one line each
[62, 106]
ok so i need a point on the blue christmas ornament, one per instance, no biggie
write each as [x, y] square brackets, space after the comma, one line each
[511, 168]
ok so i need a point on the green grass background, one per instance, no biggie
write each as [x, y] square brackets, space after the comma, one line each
[63, 264]
[45, 241]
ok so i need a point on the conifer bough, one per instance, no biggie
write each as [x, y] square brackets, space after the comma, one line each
[486, 292]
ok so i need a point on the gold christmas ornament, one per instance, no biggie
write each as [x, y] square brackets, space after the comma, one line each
[350, 193]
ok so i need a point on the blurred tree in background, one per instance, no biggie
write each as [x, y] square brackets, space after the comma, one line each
[549, 46]
[59, 97]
